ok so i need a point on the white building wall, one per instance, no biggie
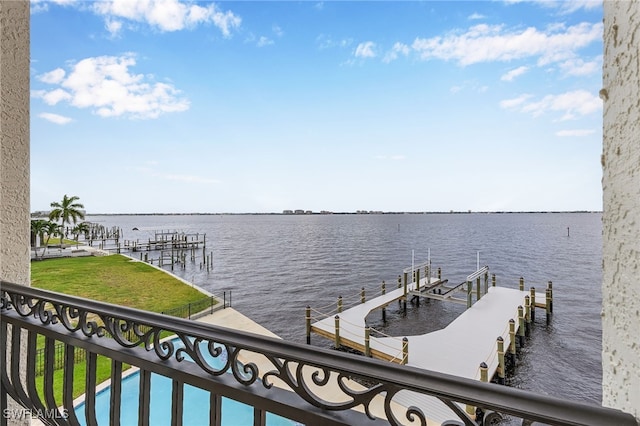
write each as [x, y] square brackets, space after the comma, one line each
[15, 223]
[14, 142]
[621, 217]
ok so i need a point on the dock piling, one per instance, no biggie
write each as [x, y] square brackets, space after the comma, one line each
[405, 350]
[493, 280]
[339, 304]
[308, 322]
[527, 314]
[362, 298]
[484, 372]
[469, 297]
[367, 347]
[337, 332]
[512, 343]
[478, 292]
[533, 304]
[521, 283]
[384, 308]
[501, 367]
[550, 288]
[521, 326]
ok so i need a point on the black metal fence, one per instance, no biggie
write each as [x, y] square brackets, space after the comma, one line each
[200, 308]
[306, 384]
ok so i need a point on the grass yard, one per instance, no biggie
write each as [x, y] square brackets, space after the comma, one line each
[114, 279]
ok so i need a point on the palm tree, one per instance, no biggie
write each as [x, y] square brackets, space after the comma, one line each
[81, 228]
[67, 210]
[42, 228]
[50, 229]
[37, 230]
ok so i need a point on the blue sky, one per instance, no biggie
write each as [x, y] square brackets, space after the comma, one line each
[174, 106]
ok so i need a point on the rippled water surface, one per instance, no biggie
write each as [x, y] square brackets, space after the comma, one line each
[275, 265]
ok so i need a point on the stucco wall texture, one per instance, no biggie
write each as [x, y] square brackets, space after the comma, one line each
[621, 200]
[14, 142]
[15, 264]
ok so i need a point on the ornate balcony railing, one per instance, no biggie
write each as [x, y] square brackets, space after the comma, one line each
[309, 385]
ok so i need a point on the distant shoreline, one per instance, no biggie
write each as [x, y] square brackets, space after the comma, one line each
[343, 213]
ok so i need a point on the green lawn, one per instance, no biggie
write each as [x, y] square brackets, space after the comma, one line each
[113, 279]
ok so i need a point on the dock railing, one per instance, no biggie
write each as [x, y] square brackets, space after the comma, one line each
[362, 390]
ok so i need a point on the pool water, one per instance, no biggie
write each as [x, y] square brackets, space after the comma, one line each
[195, 402]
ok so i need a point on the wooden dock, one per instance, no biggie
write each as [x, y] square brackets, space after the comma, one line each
[468, 347]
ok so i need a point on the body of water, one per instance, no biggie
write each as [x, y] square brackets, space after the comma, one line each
[275, 265]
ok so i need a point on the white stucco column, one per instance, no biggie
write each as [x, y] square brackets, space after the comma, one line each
[15, 263]
[14, 142]
[621, 217]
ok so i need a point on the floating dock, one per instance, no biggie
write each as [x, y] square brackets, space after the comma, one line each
[476, 345]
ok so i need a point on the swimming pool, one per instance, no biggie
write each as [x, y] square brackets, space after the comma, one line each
[195, 408]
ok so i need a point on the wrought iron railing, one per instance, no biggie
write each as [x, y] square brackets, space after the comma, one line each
[306, 384]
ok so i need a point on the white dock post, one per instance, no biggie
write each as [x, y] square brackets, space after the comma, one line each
[521, 283]
[337, 332]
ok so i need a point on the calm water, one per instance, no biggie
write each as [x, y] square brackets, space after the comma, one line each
[276, 265]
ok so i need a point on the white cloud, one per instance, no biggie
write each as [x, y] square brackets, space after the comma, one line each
[166, 15]
[575, 132]
[105, 85]
[55, 118]
[509, 76]
[578, 67]
[487, 43]
[264, 41]
[52, 97]
[277, 30]
[113, 26]
[571, 104]
[475, 16]
[365, 50]
[52, 77]
[564, 6]
[515, 102]
[326, 42]
[397, 49]
[43, 5]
